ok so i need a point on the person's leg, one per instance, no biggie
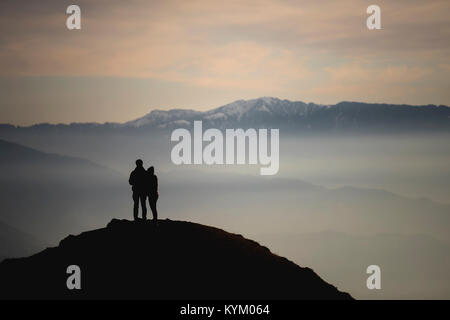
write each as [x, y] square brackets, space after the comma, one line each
[156, 212]
[135, 206]
[152, 201]
[144, 206]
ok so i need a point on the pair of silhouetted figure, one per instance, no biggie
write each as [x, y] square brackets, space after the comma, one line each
[144, 185]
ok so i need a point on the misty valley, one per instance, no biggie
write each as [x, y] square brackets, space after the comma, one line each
[249, 142]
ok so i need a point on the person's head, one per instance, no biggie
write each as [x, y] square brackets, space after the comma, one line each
[151, 170]
[139, 163]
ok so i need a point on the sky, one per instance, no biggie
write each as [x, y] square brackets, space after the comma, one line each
[135, 56]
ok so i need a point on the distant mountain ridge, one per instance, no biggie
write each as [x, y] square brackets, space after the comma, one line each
[274, 112]
[175, 260]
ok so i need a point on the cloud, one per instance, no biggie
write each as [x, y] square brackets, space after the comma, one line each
[364, 81]
[299, 49]
[361, 73]
[143, 37]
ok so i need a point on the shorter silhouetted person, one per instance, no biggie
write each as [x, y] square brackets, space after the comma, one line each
[152, 191]
[138, 181]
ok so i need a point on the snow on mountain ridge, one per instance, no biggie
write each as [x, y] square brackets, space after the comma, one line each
[268, 111]
[235, 110]
[157, 117]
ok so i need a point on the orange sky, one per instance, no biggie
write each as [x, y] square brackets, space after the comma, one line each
[130, 57]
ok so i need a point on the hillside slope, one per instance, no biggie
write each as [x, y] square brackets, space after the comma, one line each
[175, 260]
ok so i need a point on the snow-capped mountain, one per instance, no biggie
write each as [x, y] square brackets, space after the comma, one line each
[256, 112]
[274, 112]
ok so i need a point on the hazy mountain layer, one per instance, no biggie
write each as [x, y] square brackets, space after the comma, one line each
[49, 195]
[412, 266]
[15, 243]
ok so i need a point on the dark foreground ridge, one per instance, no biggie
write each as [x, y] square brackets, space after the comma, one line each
[175, 260]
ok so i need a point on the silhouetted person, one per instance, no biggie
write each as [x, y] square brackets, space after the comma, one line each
[138, 179]
[152, 191]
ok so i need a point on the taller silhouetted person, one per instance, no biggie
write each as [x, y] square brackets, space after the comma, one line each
[152, 191]
[138, 180]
